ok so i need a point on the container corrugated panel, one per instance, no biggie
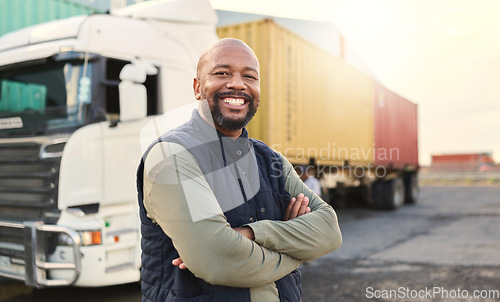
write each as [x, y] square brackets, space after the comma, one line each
[396, 136]
[313, 105]
[17, 14]
[456, 158]
[459, 162]
[101, 5]
[456, 162]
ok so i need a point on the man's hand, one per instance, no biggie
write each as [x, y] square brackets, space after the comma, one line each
[178, 262]
[243, 230]
[297, 207]
[246, 232]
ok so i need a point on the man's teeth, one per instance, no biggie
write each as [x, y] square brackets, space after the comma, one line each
[235, 102]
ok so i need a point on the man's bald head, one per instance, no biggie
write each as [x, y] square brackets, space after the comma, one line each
[225, 42]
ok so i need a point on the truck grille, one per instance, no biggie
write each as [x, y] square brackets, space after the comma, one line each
[28, 183]
[28, 192]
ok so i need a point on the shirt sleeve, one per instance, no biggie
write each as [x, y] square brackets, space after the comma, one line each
[307, 237]
[178, 198]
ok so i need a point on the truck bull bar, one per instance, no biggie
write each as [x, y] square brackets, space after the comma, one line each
[35, 261]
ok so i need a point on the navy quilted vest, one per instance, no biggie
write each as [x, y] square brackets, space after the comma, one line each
[161, 281]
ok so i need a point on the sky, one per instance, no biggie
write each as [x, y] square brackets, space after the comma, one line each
[443, 55]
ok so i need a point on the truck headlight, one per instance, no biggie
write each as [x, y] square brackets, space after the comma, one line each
[91, 237]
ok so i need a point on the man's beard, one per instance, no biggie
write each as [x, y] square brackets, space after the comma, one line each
[227, 122]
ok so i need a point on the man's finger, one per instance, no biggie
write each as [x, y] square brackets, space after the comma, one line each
[303, 206]
[178, 262]
[296, 206]
[288, 209]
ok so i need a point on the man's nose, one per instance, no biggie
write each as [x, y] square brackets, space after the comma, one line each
[236, 82]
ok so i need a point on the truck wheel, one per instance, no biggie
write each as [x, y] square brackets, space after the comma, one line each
[378, 194]
[394, 193]
[366, 194]
[411, 186]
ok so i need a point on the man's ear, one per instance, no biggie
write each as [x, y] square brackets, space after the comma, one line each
[197, 88]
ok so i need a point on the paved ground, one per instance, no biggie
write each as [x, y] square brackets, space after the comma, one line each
[446, 245]
[445, 248]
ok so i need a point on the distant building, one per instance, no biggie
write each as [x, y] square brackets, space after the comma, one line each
[462, 162]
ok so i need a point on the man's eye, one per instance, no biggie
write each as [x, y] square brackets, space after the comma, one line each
[249, 76]
[221, 73]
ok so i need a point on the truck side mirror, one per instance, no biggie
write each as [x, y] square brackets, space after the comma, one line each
[133, 95]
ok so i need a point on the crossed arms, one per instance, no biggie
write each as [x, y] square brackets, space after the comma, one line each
[209, 247]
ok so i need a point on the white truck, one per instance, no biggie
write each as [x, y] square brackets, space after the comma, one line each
[75, 95]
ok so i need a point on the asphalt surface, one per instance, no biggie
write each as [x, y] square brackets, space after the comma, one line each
[445, 248]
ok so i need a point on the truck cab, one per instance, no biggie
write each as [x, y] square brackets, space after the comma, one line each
[77, 97]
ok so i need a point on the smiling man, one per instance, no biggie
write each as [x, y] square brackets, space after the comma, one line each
[218, 219]
[228, 78]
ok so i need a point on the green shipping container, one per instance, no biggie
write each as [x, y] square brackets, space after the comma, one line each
[17, 14]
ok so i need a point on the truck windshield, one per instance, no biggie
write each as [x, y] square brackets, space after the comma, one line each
[43, 98]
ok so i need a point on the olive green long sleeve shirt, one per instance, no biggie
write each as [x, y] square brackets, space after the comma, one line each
[179, 199]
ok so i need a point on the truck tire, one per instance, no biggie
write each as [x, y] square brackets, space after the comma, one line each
[393, 194]
[378, 194]
[412, 190]
[365, 193]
